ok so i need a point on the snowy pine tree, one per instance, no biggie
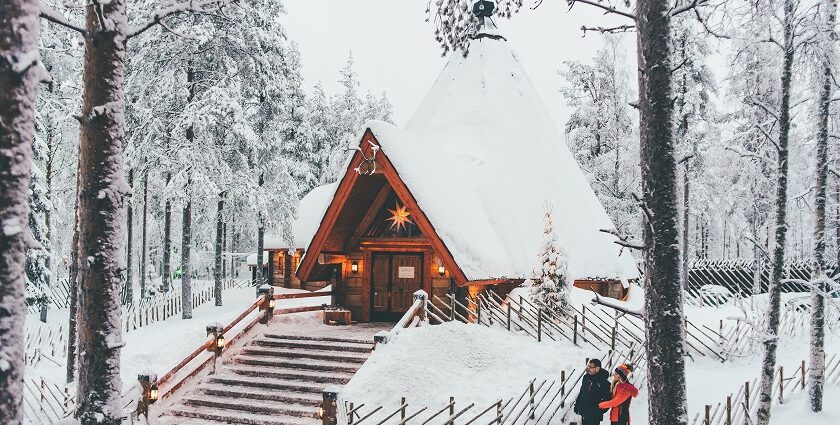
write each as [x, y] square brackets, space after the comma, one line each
[38, 274]
[550, 282]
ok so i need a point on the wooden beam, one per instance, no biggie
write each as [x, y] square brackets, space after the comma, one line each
[369, 216]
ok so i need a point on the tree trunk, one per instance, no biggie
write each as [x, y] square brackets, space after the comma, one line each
[143, 245]
[817, 371]
[260, 237]
[685, 224]
[771, 339]
[74, 304]
[224, 249]
[19, 75]
[186, 283]
[128, 292]
[102, 197]
[217, 290]
[664, 344]
[166, 273]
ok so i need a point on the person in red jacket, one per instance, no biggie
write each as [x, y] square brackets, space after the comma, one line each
[622, 391]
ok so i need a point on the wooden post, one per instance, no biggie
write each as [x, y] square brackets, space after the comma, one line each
[478, 313]
[747, 398]
[266, 292]
[328, 408]
[803, 374]
[612, 340]
[508, 317]
[424, 298]
[539, 324]
[563, 387]
[402, 408]
[451, 408]
[708, 420]
[350, 414]
[520, 307]
[583, 319]
[574, 340]
[729, 409]
[781, 384]
[531, 392]
[452, 308]
[499, 410]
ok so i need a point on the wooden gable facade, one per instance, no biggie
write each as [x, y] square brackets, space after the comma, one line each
[377, 242]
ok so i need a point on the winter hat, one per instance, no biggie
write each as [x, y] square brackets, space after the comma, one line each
[623, 370]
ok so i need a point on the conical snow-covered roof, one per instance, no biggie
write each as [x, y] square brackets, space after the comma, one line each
[484, 161]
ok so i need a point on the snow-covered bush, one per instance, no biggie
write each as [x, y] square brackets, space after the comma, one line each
[549, 284]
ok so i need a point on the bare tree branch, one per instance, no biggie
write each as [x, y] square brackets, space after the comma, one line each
[53, 16]
[691, 6]
[607, 8]
[609, 30]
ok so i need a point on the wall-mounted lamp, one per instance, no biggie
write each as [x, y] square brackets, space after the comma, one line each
[441, 270]
[354, 267]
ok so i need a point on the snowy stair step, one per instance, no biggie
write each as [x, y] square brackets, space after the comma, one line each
[290, 374]
[251, 406]
[313, 345]
[330, 355]
[237, 392]
[275, 384]
[235, 417]
[279, 362]
[314, 338]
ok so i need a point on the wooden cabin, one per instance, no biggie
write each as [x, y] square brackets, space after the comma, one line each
[453, 202]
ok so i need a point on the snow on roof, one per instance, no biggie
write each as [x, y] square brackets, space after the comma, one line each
[484, 161]
[310, 212]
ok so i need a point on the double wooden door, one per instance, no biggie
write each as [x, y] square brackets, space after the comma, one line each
[395, 279]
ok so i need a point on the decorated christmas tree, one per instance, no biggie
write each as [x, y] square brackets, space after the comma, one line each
[550, 285]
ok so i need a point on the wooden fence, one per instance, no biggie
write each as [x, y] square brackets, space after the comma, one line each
[739, 408]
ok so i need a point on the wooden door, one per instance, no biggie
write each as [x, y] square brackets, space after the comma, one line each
[380, 287]
[406, 278]
[395, 278]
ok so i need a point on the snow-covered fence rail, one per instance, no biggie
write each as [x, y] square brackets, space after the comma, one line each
[167, 304]
[44, 402]
[58, 296]
[740, 407]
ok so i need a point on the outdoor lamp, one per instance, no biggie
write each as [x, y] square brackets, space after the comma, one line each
[220, 342]
[354, 267]
[153, 393]
[441, 270]
[271, 303]
[321, 412]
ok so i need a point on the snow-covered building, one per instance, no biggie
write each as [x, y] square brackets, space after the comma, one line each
[456, 198]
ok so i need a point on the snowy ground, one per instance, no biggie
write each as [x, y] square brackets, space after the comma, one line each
[159, 346]
[477, 364]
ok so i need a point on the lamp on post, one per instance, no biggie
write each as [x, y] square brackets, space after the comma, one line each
[354, 267]
[441, 270]
[267, 304]
[149, 393]
[329, 406]
[217, 332]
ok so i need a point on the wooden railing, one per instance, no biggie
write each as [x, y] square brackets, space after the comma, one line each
[195, 362]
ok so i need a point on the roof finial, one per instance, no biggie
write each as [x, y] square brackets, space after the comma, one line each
[483, 9]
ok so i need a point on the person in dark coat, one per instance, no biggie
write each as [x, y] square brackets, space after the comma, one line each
[594, 388]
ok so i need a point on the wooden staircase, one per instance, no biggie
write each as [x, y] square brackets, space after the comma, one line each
[277, 379]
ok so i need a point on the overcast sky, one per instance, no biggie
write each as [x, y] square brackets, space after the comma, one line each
[394, 48]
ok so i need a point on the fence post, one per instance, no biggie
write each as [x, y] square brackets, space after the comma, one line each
[563, 387]
[583, 319]
[402, 408]
[328, 406]
[508, 317]
[729, 409]
[216, 330]
[350, 414]
[574, 340]
[746, 399]
[424, 298]
[781, 384]
[478, 312]
[267, 305]
[499, 411]
[452, 308]
[148, 395]
[612, 339]
[708, 419]
[539, 324]
[531, 393]
[451, 407]
[803, 374]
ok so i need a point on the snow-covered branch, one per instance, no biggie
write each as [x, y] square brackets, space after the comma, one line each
[607, 8]
[744, 153]
[623, 241]
[685, 8]
[182, 7]
[53, 16]
[615, 305]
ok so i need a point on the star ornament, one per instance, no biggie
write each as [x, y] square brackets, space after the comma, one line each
[399, 217]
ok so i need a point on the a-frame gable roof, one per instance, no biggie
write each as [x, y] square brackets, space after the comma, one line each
[370, 147]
